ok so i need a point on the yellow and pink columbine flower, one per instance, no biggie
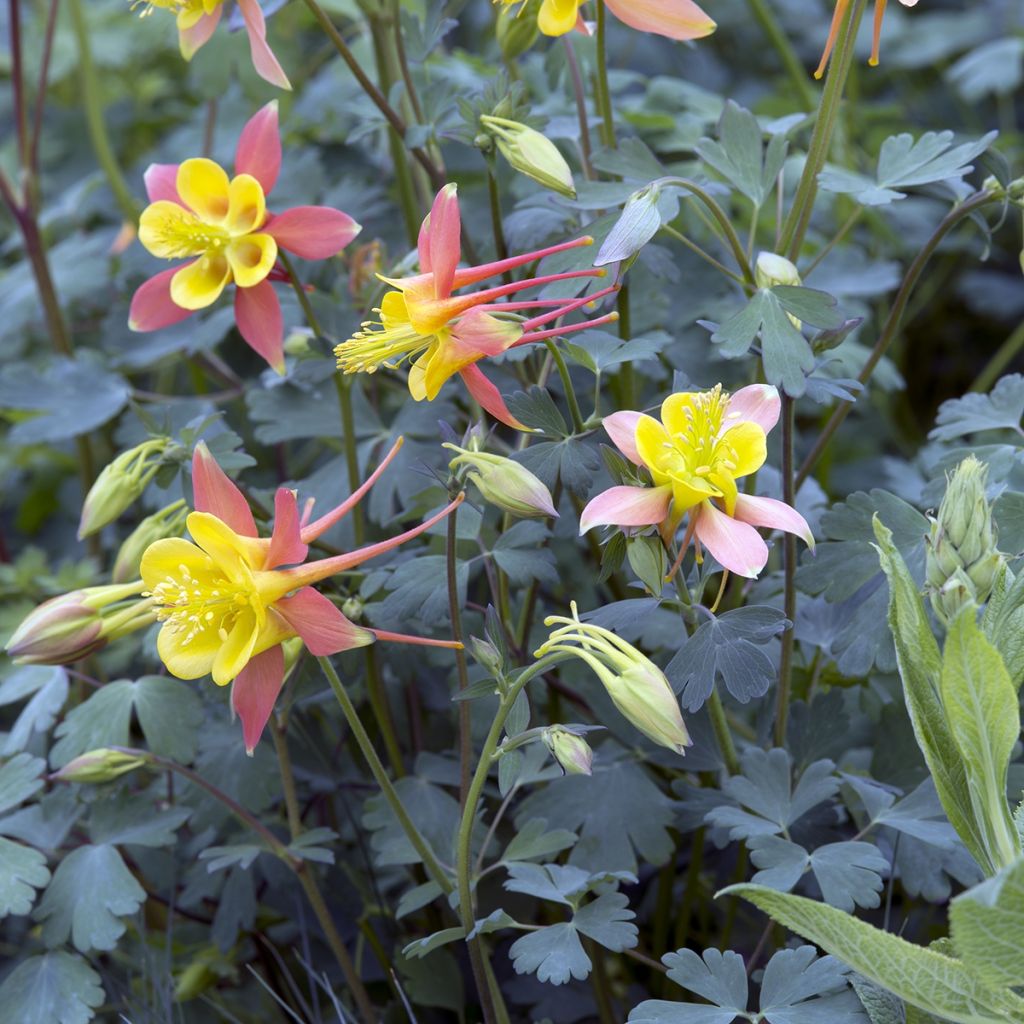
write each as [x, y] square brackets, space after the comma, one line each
[227, 601]
[223, 228]
[197, 20]
[674, 19]
[842, 6]
[438, 333]
[704, 442]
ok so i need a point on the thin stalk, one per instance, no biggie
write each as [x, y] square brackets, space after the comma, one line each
[497, 228]
[627, 379]
[581, 107]
[604, 98]
[834, 241]
[789, 571]
[455, 614]
[720, 725]
[821, 139]
[18, 83]
[790, 61]
[570, 393]
[37, 115]
[702, 253]
[92, 102]
[1001, 359]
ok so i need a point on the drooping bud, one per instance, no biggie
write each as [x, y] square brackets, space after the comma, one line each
[637, 225]
[531, 153]
[121, 483]
[569, 749]
[517, 30]
[73, 626]
[635, 684]
[771, 270]
[168, 522]
[962, 560]
[486, 655]
[504, 483]
[101, 765]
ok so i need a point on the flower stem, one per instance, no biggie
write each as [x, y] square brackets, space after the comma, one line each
[790, 61]
[497, 229]
[603, 97]
[570, 393]
[455, 614]
[720, 725]
[789, 571]
[1003, 357]
[581, 107]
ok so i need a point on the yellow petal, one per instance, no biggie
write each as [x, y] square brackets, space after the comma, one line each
[234, 652]
[677, 410]
[163, 230]
[247, 207]
[418, 374]
[651, 438]
[236, 556]
[163, 557]
[393, 310]
[688, 491]
[728, 491]
[203, 185]
[199, 284]
[748, 441]
[557, 17]
[251, 258]
[190, 660]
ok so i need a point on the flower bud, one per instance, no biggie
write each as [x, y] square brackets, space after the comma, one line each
[120, 484]
[70, 627]
[635, 684]
[486, 655]
[532, 154]
[517, 30]
[772, 269]
[962, 560]
[569, 749]
[505, 483]
[101, 765]
[168, 522]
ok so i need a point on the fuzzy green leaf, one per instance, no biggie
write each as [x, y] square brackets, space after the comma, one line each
[58, 987]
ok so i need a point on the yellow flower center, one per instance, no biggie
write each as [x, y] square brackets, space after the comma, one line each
[388, 342]
[187, 11]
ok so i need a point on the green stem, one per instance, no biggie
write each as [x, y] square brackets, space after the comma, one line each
[702, 253]
[570, 393]
[604, 98]
[455, 615]
[723, 736]
[366, 747]
[94, 116]
[581, 107]
[789, 570]
[821, 139]
[1003, 357]
[790, 61]
[627, 378]
[497, 228]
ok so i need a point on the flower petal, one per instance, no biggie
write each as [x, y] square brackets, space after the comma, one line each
[259, 147]
[676, 19]
[736, 546]
[255, 691]
[313, 232]
[748, 441]
[163, 230]
[322, 627]
[152, 306]
[773, 515]
[247, 208]
[187, 661]
[197, 34]
[475, 336]
[259, 319]
[440, 240]
[161, 183]
[758, 403]
[214, 492]
[556, 17]
[621, 428]
[650, 438]
[286, 547]
[251, 258]
[235, 652]
[203, 186]
[626, 506]
[163, 557]
[199, 284]
[263, 59]
[488, 396]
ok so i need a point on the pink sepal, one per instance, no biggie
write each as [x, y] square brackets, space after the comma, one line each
[488, 396]
[323, 629]
[676, 19]
[152, 306]
[254, 692]
[756, 403]
[773, 515]
[161, 182]
[286, 547]
[626, 506]
[621, 428]
[197, 35]
[736, 546]
[440, 241]
[312, 232]
[263, 59]
[260, 322]
[259, 147]
[214, 492]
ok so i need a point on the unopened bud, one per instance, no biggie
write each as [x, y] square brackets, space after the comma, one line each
[486, 655]
[352, 608]
[637, 225]
[635, 684]
[962, 560]
[120, 484]
[101, 765]
[532, 154]
[772, 269]
[569, 749]
[517, 30]
[504, 483]
[168, 522]
[72, 626]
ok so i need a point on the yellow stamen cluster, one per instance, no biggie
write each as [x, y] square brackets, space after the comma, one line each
[174, 6]
[180, 234]
[192, 606]
[699, 448]
[380, 343]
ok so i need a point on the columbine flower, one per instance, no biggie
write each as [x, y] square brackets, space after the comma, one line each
[704, 442]
[635, 684]
[440, 334]
[837, 20]
[227, 605]
[676, 19]
[197, 20]
[222, 226]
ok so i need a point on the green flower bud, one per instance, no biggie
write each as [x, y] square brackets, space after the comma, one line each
[772, 269]
[635, 684]
[569, 749]
[505, 483]
[70, 627]
[168, 522]
[486, 655]
[101, 765]
[121, 484]
[962, 560]
[517, 30]
[532, 154]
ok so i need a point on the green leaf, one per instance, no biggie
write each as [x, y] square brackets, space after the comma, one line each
[433, 811]
[91, 890]
[170, 713]
[536, 408]
[1003, 622]
[59, 988]
[533, 840]
[22, 871]
[988, 927]
[984, 722]
[881, 1006]
[717, 977]
[555, 954]
[922, 977]
[120, 818]
[607, 920]
[1001, 409]
[48, 686]
[20, 777]
[69, 397]
[103, 720]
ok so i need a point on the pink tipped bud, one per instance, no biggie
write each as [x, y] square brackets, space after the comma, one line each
[102, 765]
[569, 749]
[504, 483]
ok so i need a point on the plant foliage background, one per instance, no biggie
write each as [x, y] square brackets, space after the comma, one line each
[164, 895]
